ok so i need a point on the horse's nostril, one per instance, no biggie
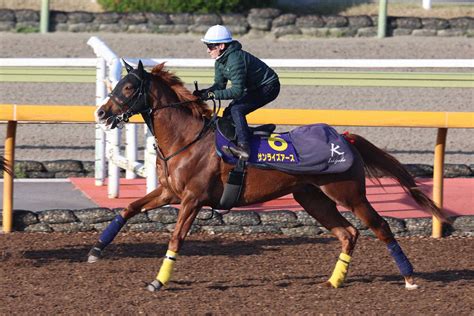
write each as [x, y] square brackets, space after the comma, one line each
[100, 114]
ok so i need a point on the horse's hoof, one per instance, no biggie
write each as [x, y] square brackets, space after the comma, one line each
[94, 255]
[154, 286]
[410, 286]
[410, 283]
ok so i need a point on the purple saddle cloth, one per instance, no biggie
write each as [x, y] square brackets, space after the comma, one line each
[309, 149]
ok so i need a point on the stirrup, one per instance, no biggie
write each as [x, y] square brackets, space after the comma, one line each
[230, 151]
[240, 153]
[226, 150]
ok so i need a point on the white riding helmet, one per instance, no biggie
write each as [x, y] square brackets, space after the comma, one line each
[217, 34]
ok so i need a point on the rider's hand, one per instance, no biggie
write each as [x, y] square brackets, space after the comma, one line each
[204, 94]
[210, 95]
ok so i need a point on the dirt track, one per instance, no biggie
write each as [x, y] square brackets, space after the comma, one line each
[74, 141]
[228, 275]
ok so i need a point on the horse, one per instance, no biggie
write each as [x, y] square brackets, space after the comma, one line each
[193, 175]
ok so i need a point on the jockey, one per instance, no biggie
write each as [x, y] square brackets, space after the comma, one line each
[254, 84]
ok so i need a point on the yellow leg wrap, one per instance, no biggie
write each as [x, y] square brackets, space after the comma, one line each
[167, 267]
[340, 270]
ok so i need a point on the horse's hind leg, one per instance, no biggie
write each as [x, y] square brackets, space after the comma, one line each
[324, 210]
[382, 230]
[353, 198]
[154, 199]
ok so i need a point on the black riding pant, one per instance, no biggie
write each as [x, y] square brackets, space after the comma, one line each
[248, 103]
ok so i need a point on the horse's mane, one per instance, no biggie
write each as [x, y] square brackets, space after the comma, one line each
[197, 107]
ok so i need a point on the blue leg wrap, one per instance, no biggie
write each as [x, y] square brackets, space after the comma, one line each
[404, 265]
[112, 230]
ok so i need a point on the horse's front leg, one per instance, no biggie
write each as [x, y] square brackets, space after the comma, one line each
[189, 209]
[154, 199]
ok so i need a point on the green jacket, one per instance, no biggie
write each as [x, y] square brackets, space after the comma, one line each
[245, 72]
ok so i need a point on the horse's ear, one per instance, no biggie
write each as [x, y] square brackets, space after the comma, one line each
[140, 68]
[127, 66]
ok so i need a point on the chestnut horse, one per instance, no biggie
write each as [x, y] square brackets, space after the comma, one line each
[191, 174]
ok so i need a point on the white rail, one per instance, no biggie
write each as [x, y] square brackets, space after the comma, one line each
[318, 63]
[108, 55]
[48, 62]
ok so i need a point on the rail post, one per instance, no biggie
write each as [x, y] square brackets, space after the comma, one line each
[8, 178]
[100, 95]
[438, 177]
[44, 19]
[113, 150]
[150, 161]
[427, 4]
[131, 151]
[382, 21]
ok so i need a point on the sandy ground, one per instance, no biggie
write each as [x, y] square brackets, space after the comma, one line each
[76, 141]
[257, 274]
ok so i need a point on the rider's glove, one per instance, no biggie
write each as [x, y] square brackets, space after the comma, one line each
[204, 94]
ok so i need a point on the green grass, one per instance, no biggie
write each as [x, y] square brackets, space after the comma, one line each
[27, 29]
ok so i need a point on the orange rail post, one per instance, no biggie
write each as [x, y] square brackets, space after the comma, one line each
[8, 178]
[438, 177]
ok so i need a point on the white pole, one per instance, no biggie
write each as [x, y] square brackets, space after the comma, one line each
[150, 161]
[427, 4]
[382, 21]
[44, 17]
[100, 168]
[101, 93]
[113, 149]
[131, 148]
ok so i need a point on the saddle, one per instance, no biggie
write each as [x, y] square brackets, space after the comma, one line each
[233, 188]
[309, 149]
[226, 127]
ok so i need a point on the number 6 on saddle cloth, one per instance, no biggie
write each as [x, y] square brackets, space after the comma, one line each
[291, 152]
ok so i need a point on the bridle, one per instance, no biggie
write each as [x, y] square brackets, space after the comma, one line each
[119, 120]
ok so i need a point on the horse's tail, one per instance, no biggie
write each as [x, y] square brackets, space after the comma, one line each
[3, 165]
[376, 160]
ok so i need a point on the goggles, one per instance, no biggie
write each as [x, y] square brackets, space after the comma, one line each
[212, 46]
